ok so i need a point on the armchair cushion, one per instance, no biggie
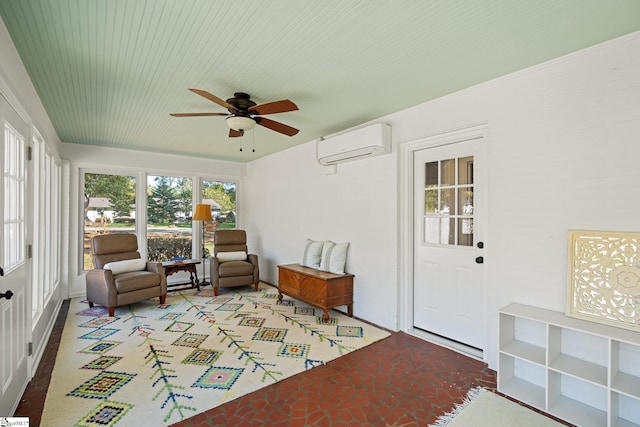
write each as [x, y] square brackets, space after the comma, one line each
[136, 280]
[235, 268]
[232, 256]
[125, 266]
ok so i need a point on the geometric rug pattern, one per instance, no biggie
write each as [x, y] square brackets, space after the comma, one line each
[162, 363]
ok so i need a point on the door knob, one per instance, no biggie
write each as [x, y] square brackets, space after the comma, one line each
[6, 295]
[480, 260]
[1, 271]
[480, 245]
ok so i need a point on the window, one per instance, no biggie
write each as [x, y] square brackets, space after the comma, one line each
[14, 188]
[109, 207]
[47, 181]
[449, 206]
[169, 211]
[222, 198]
[111, 201]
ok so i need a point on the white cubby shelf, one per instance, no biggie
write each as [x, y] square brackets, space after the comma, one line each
[585, 373]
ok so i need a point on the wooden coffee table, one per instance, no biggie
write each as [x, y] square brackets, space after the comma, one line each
[188, 265]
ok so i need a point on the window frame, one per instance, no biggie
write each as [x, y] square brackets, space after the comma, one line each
[141, 203]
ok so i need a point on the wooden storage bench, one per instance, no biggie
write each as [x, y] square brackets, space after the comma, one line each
[318, 288]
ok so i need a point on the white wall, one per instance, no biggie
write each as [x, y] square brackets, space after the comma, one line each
[111, 160]
[290, 199]
[563, 150]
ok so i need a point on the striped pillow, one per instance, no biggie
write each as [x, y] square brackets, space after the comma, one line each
[334, 257]
[312, 253]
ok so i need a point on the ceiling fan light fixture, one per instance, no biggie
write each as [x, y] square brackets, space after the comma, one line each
[240, 123]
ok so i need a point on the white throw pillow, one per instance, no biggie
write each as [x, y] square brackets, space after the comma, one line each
[232, 256]
[119, 267]
[334, 257]
[312, 253]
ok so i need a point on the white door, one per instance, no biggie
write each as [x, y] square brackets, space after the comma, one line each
[448, 291]
[14, 315]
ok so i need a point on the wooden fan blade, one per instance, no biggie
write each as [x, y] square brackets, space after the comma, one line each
[213, 98]
[235, 133]
[281, 106]
[277, 126]
[197, 114]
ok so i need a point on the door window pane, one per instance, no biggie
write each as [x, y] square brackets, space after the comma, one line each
[431, 201]
[448, 172]
[465, 201]
[447, 231]
[465, 231]
[109, 207]
[448, 201]
[465, 170]
[431, 174]
[169, 211]
[431, 230]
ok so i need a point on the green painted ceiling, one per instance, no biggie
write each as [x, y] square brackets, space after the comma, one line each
[109, 72]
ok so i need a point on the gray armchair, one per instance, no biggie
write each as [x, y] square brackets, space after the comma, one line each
[113, 287]
[231, 264]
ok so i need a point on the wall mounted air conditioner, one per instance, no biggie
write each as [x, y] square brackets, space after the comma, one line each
[368, 141]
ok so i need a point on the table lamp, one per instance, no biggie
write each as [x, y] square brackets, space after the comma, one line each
[203, 213]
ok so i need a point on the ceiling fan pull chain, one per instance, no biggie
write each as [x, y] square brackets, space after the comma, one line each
[253, 137]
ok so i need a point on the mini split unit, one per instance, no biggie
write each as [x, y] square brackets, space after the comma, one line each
[368, 141]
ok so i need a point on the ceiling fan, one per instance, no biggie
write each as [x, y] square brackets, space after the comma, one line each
[244, 113]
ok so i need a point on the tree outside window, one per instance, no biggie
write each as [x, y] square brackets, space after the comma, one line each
[109, 207]
[169, 211]
[222, 198]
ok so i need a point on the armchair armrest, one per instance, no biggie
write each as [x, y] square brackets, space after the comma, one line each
[101, 286]
[156, 267]
[100, 277]
[214, 264]
[253, 259]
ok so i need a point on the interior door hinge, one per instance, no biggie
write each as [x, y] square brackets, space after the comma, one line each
[30, 349]
[29, 153]
[29, 251]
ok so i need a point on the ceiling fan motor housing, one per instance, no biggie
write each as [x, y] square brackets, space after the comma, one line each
[242, 101]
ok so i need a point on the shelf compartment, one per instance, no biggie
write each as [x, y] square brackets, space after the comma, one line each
[577, 412]
[522, 380]
[628, 384]
[526, 351]
[523, 338]
[625, 411]
[580, 354]
[524, 391]
[625, 369]
[580, 368]
[577, 401]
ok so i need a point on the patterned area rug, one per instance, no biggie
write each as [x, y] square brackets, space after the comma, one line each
[156, 364]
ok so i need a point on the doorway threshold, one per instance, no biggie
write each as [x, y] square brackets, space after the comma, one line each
[456, 346]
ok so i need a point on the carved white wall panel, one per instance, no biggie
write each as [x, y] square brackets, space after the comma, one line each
[604, 277]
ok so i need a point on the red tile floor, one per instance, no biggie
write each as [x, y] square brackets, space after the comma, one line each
[400, 381]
